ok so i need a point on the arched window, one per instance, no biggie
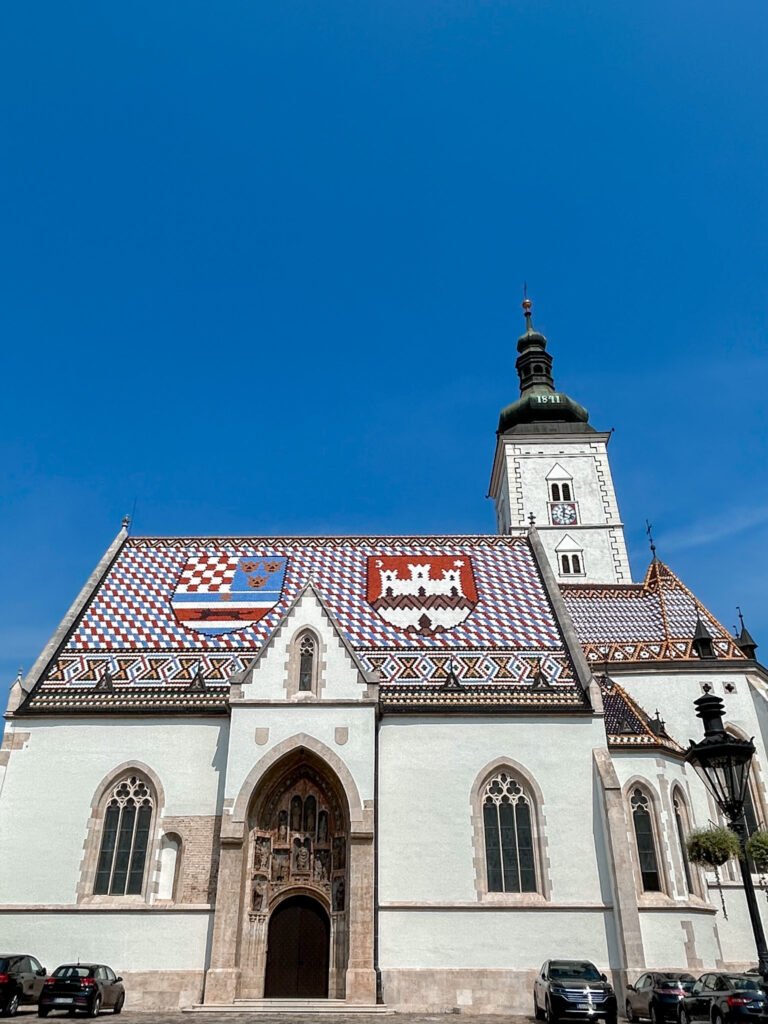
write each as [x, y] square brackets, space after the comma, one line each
[565, 562]
[305, 662]
[681, 827]
[645, 837]
[555, 489]
[170, 860]
[510, 857]
[125, 838]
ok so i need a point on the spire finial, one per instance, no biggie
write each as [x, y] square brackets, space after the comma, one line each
[126, 522]
[741, 617]
[527, 307]
[652, 543]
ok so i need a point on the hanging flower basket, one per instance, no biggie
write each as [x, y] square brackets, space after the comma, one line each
[712, 847]
[757, 848]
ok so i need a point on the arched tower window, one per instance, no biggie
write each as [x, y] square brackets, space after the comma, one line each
[510, 856]
[125, 838]
[645, 838]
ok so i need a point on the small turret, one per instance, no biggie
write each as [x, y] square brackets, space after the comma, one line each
[702, 641]
[744, 640]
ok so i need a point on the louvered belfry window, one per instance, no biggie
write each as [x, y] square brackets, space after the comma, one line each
[509, 844]
[125, 839]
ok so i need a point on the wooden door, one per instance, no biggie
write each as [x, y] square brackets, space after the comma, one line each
[298, 946]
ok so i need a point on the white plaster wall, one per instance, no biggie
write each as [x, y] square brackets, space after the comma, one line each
[736, 939]
[427, 771]
[665, 936]
[339, 677]
[51, 782]
[523, 482]
[487, 939]
[140, 941]
[317, 720]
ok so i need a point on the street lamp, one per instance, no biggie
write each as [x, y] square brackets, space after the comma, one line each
[723, 762]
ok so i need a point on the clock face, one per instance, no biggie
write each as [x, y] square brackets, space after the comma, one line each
[563, 513]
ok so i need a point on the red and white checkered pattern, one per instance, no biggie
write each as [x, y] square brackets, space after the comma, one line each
[209, 574]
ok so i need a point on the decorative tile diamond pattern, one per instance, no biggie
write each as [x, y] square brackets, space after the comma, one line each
[130, 628]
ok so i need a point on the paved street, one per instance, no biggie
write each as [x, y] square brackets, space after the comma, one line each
[282, 1018]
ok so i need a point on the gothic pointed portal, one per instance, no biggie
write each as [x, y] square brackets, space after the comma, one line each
[540, 406]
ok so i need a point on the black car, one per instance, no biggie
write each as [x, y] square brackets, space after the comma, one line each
[86, 987]
[574, 989]
[722, 997]
[657, 995]
[21, 981]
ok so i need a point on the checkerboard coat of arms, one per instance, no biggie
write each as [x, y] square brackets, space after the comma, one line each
[421, 594]
[218, 592]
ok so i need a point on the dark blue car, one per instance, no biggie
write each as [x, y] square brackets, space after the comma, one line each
[723, 997]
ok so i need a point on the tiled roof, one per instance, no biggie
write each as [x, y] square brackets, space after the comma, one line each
[651, 621]
[626, 724]
[410, 607]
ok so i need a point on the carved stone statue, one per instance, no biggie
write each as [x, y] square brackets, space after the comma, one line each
[302, 859]
[320, 872]
[259, 891]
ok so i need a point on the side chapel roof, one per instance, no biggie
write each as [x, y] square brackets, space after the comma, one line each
[627, 725]
[651, 621]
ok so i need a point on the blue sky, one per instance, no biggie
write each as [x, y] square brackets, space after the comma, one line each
[261, 265]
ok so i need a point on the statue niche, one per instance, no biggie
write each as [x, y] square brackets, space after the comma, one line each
[299, 839]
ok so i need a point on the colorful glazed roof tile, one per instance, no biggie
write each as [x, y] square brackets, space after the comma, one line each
[169, 608]
[627, 725]
[651, 621]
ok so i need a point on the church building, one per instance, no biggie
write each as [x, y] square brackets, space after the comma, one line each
[398, 770]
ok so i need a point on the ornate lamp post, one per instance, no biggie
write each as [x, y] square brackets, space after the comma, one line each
[723, 762]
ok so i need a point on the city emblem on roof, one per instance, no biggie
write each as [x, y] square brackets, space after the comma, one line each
[421, 594]
[219, 592]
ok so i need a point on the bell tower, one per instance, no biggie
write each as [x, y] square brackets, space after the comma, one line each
[552, 465]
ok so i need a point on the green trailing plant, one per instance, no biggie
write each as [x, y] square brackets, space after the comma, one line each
[712, 847]
[757, 848]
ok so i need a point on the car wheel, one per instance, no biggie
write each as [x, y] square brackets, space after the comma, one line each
[551, 1016]
[12, 1006]
[118, 1007]
[93, 1009]
[628, 1012]
[716, 1018]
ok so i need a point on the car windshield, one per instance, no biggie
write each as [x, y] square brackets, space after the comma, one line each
[68, 971]
[739, 981]
[670, 980]
[582, 970]
[4, 961]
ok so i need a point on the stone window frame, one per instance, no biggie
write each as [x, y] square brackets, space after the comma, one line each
[661, 846]
[94, 830]
[677, 794]
[294, 665]
[532, 790]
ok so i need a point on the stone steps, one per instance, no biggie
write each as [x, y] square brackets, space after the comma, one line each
[289, 1006]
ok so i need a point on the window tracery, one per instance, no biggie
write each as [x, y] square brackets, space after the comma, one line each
[125, 838]
[510, 857]
[645, 840]
[307, 648]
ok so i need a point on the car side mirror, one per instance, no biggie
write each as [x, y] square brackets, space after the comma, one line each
[604, 977]
[41, 972]
[119, 977]
[630, 988]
